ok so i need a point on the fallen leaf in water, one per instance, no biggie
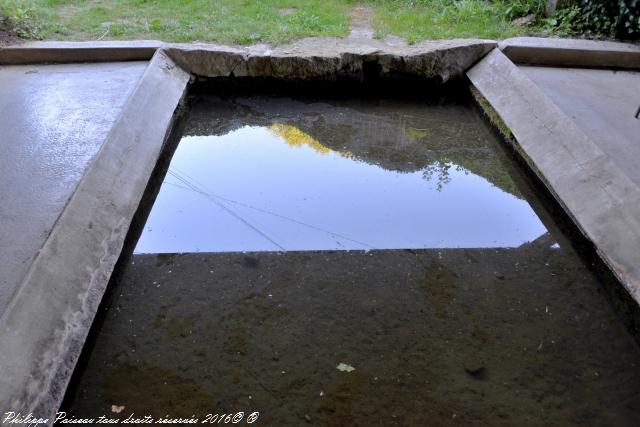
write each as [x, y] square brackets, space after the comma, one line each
[345, 368]
[116, 409]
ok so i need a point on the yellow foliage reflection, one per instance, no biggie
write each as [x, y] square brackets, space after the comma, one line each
[294, 137]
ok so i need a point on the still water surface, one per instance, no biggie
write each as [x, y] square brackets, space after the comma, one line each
[277, 187]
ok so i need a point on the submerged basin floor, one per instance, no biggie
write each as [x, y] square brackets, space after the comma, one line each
[502, 325]
[508, 336]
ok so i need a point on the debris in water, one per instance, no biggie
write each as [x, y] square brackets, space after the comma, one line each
[345, 368]
[117, 409]
[475, 368]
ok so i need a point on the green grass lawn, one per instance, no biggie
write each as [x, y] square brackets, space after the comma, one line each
[444, 19]
[252, 21]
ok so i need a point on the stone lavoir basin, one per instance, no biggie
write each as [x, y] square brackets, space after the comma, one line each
[352, 260]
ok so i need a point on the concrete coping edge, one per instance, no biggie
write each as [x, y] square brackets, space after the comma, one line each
[208, 59]
[571, 52]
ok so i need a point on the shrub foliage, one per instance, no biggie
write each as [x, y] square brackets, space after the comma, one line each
[615, 18]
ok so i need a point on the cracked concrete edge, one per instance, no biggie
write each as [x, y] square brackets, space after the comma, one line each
[46, 323]
[311, 58]
[571, 52]
[601, 200]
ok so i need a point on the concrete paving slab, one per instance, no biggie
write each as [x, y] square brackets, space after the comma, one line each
[47, 319]
[571, 52]
[592, 188]
[53, 120]
[603, 104]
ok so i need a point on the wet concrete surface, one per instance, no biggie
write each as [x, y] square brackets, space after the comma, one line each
[519, 335]
[267, 174]
[53, 120]
[603, 103]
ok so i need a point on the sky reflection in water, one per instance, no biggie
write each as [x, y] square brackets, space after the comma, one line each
[276, 188]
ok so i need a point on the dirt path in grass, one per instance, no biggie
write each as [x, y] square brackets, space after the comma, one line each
[362, 22]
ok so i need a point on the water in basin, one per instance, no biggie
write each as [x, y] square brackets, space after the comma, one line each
[354, 262]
